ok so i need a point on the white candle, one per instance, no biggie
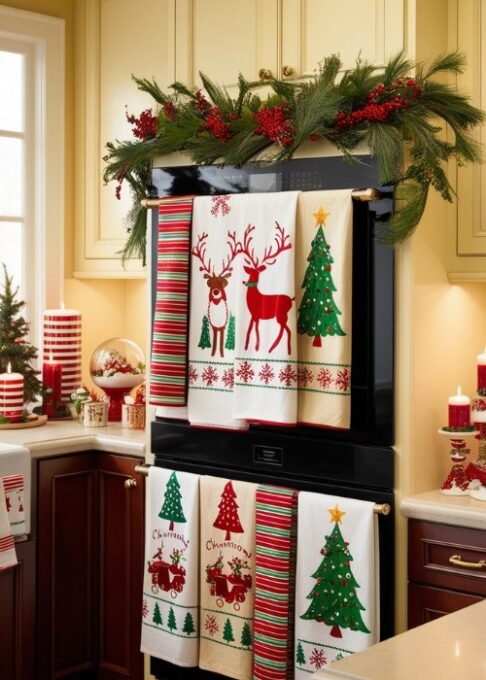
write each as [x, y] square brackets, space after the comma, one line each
[459, 410]
[11, 394]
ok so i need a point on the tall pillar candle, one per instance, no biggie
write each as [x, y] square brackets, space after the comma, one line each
[481, 362]
[11, 395]
[62, 342]
[52, 381]
[459, 410]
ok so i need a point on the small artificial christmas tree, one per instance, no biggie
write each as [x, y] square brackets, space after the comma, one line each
[246, 635]
[228, 631]
[300, 656]
[14, 349]
[157, 617]
[230, 335]
[205, 339]
[188, 627]
[172, 507]
[318, 313]
[227, 518]
[334, 598]
[171, 620]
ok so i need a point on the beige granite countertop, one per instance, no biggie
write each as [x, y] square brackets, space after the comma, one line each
[67, 436]
[434, 506]
[450, 648]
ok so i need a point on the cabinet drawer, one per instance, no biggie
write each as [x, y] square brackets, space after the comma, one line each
[430, 547]
[426, 604]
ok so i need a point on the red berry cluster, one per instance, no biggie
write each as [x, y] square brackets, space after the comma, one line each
[118, 188]
[143, 126]
[202, 103]
[378, 110]
[169, 110]
[274, 124]
[216, 125]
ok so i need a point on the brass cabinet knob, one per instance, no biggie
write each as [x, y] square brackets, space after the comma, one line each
[265, 74]
[288, 71]
[130, 483]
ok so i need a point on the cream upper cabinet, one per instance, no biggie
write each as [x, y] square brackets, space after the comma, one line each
[467, 242]
[314, 29]
[115, 38]
[282, 37]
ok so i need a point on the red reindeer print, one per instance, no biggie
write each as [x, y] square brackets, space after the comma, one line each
[260, 306]
[218, 313]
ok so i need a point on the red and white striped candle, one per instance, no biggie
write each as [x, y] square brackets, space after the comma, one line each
[11, 395]
[481, 363]
[62, 343]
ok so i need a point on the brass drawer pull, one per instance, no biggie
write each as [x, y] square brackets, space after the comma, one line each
[457, 561]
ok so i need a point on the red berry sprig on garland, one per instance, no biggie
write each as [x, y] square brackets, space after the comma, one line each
[273, 122]
[217, 126]
[376, 110]
[145, 125]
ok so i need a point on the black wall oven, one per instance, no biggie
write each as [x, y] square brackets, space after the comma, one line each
[358, 462]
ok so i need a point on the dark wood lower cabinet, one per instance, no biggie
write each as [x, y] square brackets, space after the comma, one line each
[444, 569]
[17, 604]
[90, 568]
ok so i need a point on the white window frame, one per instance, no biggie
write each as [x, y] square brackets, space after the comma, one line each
[41, 38]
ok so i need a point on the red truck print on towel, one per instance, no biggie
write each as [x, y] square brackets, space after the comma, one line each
[265, 307]
[232, 587]
[218, 313]
[167, 576]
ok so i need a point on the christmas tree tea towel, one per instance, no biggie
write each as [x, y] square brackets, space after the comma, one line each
[276, 533]
[227, 576]
[266, 342]
[8, 557]
[215, 260]
[324, 275]
[14, 497]
[168, 368]
[337, 593]
[170, 608]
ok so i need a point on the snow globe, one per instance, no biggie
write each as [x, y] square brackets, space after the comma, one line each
[116, 367]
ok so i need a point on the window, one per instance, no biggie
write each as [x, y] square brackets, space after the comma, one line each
[32, 158]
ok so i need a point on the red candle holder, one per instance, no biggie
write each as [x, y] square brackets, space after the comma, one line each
[457, 482]
[476, 472]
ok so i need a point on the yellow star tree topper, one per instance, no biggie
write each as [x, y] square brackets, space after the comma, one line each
[336, 514]
[321, 216]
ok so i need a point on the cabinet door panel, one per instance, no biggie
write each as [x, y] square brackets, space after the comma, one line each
[426, 604]
[121, 569]
[67, 584]
[314, 29]
[17, 602]
[223, 39]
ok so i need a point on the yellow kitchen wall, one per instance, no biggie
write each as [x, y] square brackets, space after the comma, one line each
[109, 308]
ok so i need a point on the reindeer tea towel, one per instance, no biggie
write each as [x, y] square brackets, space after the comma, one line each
[227, 576]
[266, 343]
[169, 335]
[215, 260]
[324, 278]
[8, 557]
[170, 608]
[337, 594]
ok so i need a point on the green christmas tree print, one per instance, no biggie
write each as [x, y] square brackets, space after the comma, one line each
[318, 313]
[230, 334]
[171, 620]
[246, 636]
[300, 656]
[188, 627]
[157, 617]
[205, 339]
[334, 598]
[228, 631]
[172, 507]
[14, 348]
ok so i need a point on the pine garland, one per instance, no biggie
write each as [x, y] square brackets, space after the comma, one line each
[381, 106]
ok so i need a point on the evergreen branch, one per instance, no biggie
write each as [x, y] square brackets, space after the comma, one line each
[151, 88]
[218, 95]
[406, 217]
[454, 62]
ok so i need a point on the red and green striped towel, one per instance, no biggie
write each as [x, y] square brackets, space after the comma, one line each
[276, 514]
[168, 371]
